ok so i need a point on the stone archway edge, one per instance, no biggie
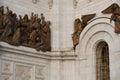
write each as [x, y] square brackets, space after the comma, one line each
[96, 21]
[97, 18]
[106, 27]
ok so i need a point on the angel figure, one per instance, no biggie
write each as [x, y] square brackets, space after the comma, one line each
[114, 9]
[79, 26]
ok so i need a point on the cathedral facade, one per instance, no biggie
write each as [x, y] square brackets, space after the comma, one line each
[59, 40]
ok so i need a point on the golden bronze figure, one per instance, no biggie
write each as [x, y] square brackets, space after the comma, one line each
[33, 32]
[114, 9]
[79, 26]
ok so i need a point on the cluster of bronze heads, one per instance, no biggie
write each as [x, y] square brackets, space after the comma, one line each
[79, 25]
[22, 31]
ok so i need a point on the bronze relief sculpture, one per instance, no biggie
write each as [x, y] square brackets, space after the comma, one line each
[34, 32]
[79, 26]
[114, 9]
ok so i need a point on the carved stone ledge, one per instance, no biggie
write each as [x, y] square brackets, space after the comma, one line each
[21, 50]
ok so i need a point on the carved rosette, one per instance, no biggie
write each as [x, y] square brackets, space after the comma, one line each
[50, 4]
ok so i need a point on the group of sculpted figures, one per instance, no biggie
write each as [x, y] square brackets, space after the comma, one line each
[34, 32]
[79, 25]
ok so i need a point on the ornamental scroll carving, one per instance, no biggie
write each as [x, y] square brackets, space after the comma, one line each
[114, 9]
[79, 26]
[34, 32]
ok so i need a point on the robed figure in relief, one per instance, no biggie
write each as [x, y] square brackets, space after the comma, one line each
[32, 32]
[114, 9]
[79, 25]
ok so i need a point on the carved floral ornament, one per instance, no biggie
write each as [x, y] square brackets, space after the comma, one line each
[79, 25]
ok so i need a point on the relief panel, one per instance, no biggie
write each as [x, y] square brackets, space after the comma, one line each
[7, 67]
[31, 32]
[23, 72]
[39, 72]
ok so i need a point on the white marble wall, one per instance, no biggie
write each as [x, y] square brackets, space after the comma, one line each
[93, 6]
[16, 64]
[22, 63]
[97, 31]
[62, 63]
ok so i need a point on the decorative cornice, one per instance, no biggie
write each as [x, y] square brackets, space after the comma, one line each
[21, 50]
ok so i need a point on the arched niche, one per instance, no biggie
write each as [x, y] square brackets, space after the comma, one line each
[99, 30]
[102, 61]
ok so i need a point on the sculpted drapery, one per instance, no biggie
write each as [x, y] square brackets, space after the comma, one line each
[34, 32]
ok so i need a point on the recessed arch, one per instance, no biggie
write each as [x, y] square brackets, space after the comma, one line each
[99, 25]
[99, 30]
[102, 61]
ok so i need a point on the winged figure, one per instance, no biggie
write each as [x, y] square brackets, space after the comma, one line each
[87, 18]
[79, 25]
[114, 9]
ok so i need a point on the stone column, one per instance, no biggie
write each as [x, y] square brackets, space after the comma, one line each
[54, 18]
[66, 24]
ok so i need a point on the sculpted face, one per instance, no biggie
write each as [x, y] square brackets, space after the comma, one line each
[116, 5]
[77, 21]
